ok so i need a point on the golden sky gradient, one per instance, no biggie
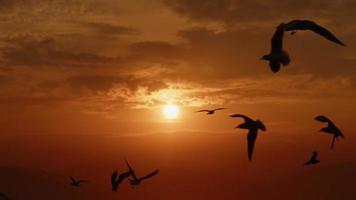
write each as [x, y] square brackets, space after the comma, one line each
[106, 68]
[113, 60]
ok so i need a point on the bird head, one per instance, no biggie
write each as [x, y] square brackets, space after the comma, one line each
[265, 57]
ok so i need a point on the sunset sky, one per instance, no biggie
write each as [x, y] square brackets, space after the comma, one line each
[92, 78]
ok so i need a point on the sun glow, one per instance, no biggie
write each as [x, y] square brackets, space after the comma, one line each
[171, 111]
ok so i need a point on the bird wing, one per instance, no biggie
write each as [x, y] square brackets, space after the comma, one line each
[132, 172]
[322, 118]
[149, 175]
[251, 139]
[72, 179]
[123, 176]
[277, 40]
[247, 119]
[203, 111]
[312, 26]
[219, 109]
[114, 176]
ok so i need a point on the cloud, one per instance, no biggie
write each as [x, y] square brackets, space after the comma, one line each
[109, 30]
[252, 11]
[37, 52]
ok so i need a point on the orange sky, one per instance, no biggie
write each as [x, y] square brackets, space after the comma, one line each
[105, 68]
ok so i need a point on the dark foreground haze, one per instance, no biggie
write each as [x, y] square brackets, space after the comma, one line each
[193, 166]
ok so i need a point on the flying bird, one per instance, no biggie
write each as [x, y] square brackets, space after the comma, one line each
[253, 126]
[117, 179]
[330, 129]
[76, 183]
[136, 180]
[277, 55]
[211, 112]
[297, 24]
[313, 160]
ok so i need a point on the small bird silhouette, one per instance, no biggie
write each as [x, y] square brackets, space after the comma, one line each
[136, 180]
[211, 112]
[297, 24]
[76, 183]
[253, 127]
[313, 160]
[4, 196]
[277, 56]
[117, 179]
[331, 129]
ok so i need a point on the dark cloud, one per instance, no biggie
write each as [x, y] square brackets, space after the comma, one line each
[252, 11]
[29, 51]
[103, 83]
[157, 51]
[110, 30]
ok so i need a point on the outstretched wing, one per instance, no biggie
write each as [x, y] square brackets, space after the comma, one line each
[219, 109]
[322, 118]
[310, 25]
[72, 179]
[149, 175]
[114, 176]
[251, 139]
[247, 119]
[123, 176]
[83, 181]
[277, 40]
[203, 111]
[131, 170]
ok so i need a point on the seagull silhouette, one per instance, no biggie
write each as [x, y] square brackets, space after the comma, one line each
[277, 56]
[76, 183]
[136, 180]
[331, 129]
[211, 112]
[253, 127]
[117, 179]
[297, 24]
[4, 196]
[313, 160]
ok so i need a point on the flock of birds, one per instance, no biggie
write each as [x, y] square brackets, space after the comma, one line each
[253, 126]
[276, 58]
[117, 178]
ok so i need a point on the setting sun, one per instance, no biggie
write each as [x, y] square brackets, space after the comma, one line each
[171, 111]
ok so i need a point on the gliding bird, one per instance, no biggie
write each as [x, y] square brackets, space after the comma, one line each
[331, 129]
[136, 180]
[211, 112]
[253, 127]
[313, 160]
[76, 183]
[117, 179]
